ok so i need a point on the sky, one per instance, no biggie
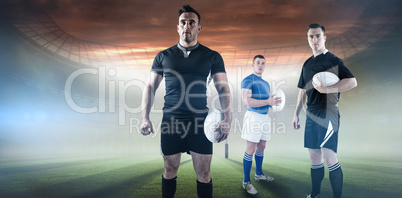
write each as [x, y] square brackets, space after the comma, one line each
[251, 24]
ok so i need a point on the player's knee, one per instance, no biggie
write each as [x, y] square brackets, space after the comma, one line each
[330, 160]
[204, 176]
[171, 169]
[250, 151]
[261, 147]
[329, 157]
[315, 158]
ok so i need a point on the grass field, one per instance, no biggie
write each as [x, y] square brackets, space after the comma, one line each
[133, 177]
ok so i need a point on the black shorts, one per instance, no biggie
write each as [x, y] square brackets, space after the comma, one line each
[322, 126]
[184, 135]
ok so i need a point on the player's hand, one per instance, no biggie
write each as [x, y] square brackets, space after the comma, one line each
[320, 86]
[274, 101]
[146, 127]
[295, 122]
[224, 127]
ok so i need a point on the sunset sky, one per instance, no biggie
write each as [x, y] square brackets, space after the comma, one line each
[235, 24]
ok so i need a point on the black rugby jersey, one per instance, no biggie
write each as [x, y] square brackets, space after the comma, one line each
[185, 78]
[323, 62]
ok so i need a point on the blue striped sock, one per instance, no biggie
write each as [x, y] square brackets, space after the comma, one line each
[247, 162]
[259, 156]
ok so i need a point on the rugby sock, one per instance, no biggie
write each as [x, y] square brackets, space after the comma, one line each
[317, 175]
[168, 187]
[259, 156]
[247, 162]
[336, 178]
[204, 189]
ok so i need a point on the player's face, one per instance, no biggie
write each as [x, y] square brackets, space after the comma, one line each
[316, 39]
[259, 66]
[188, 28]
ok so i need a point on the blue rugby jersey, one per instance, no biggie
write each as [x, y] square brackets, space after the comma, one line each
[260, 91]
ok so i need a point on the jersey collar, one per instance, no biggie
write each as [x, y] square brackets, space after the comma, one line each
[186, 51]
[323, 53]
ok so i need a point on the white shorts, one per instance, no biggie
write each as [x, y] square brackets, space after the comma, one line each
[256, 127]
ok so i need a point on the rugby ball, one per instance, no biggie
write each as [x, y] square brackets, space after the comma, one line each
[281, 94]
[211, 121]
[327, 78]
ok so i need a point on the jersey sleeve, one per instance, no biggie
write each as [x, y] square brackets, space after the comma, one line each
[246, 84]
[157, 64]
[343, 71]
[218, 65]
[302, 82]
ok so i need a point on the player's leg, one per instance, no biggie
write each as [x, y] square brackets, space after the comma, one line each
[265, 130]
[171, 147]
[317, 171]
[248, 159]
[329, 149]
[247, 164]
[252, 135]
[315, 156]
[171, 164]
[201, 150]
[202, 167]
[259, 156]
[335, 171]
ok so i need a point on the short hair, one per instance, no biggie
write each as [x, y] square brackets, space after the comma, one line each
[188, 8]
[258, 56]
[316, 25]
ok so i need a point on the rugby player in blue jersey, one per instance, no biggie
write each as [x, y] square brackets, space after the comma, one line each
[256, 124]
[185, 67]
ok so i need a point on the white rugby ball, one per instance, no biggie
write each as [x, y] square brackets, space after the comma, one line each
[211, 121]
[327, 78]
[281, 94]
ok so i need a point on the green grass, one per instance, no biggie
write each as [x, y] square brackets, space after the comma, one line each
[141, 177]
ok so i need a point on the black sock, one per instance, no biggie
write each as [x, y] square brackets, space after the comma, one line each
[168, 187]
[336, 178]
[204, 189]
[317, 175]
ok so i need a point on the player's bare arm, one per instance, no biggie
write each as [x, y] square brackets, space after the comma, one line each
[148, 97]
[301, 100]
[345, 84]
[248, 101]
[221, 85]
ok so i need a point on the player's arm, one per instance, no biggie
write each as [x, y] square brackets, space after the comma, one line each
[301, 100]
[248, 101]
[345, 84]
[148, 97]
[222, 86]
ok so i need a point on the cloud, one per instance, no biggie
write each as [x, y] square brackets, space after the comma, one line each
[238, 24]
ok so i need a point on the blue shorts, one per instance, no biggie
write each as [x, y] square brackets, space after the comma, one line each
[184, 135]
[322, 126]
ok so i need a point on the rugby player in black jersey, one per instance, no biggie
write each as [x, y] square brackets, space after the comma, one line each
[322, 120]
[185, 67]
